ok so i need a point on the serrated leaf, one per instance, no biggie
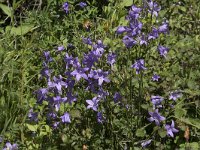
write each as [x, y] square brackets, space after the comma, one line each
[21, 30]
[6, 9]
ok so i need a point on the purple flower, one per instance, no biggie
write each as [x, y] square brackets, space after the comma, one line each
[135, 9]
[117, 97]
[66, 7]
[100, 76]
[175, 95]
[57, 84]
[71, 98]
[128, 41]
[145, 143]
[80, 73]
[155, 77]
[66, 118]
[87, 41]
[41, 94]
[82, 4]
[154, 8]
[33, 116]
[155, 116]
[156, 100]
[171, 129]
[9, 146]
[100, 118]
[55, 125]
[93, 104]
[163, 28]
[163, 50]
[139, 65]
[142, 40]
[120, 30]
[154, 34]
[45, 72]
[60, 48]
[47, 56]
[111, 58]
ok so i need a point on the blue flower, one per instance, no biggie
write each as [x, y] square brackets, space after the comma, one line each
[175, 95]
[163, 50]
[155, 116]
[155, 77]
[93, 104]
[66, 7]
[9, 146]
[66, 118]
[128, 41]
[139, 65]
[145, 143]
[82, 4]
[171, 129]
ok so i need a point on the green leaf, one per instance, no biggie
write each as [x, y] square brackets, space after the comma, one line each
[140, 132]
[21, 30]
[180, 112]
[162, 133]
[6, 9]
[32, 127]
[127, 3]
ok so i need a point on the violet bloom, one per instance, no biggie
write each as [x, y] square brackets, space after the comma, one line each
[41, 94]
[163, 50]
[80, 73]
[100, 118]
[55, 125]
[175, 95]
[171, 129]
[128, 41]
[145, 143]
[142, 40]
[57, 84]
[117, 97]
[90, 59]
[66, 7]
[45, 72]
[66, 118]
[154, 34]
[155, 116]
[156, 100]
[155, 77]
[101, 76]
[111, 58]
[9, 146]
[93, 104]
[120, 30]
[87, 41]
[33, 116]
[154, 8]
[60, 48]
[163, 28]
[71, 98]
[139, 65]
[82, 4]
[47, 56]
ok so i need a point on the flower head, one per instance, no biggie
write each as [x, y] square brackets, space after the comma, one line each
[111, 58]
[9, 146]
[66, 118]
[175, 95]
[155, 116]
[120, 30]
[145, 143]
[155, 77]
[93, 104]
[171, 129]
[128, 41]
[139, 65]
[66, 7]
[82, 4]
[163, 50]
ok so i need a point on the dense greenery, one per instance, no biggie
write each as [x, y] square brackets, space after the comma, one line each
[107, 74]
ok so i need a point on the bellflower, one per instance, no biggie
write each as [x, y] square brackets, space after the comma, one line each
[66, 7]
[128, 41]
[60, 48]
[154, 34]
[93, 104]
[145, 143]
[156, 100]
[120, 30]
[66, 118]
[154, 8]
[163, 28]
[33, 116]
[175, 95]
[117, 97]
[142, 40]
[101, 76]
[100, 118]
[57, 84]
[155, 116]
[71, 98]
[163, 50]
[41, 94]
[155, 77]
[111, 58]
[9, 146]
[171, 129]
[87, 41]
[80, 73]
[82, 4]
[47, 56]
[139, 65]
